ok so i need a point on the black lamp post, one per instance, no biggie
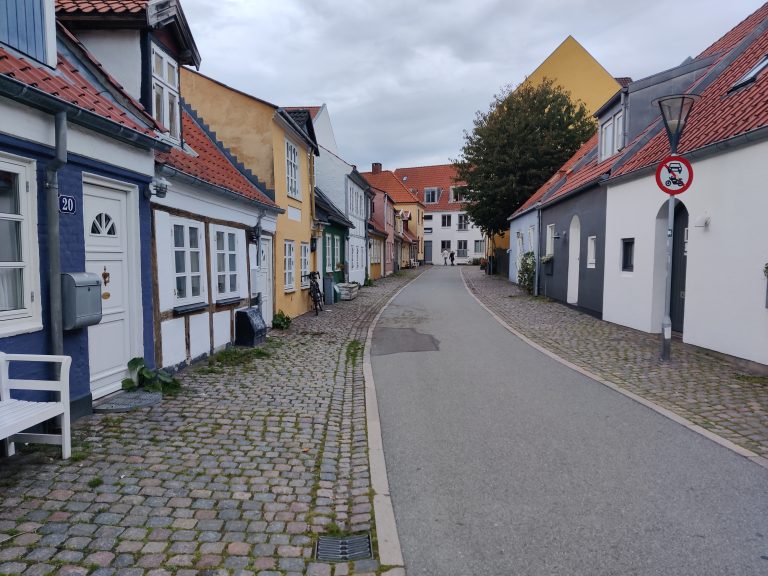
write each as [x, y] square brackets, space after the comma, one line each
[674, 112]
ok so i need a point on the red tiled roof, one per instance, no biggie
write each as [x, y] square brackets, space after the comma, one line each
[67, 84]
[407, 237]
[624, 81]
[720, 115]
[566, 170]
[441, 176]
[211, 165]
[389, 183]
[101, 6]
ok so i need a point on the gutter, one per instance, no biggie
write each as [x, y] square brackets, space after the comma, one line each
[35, 98]
[286, 121]
[733, 143]
[195, 181]
[54, 242]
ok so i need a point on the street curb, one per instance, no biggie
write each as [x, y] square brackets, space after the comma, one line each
[748, 454]
[390, 553]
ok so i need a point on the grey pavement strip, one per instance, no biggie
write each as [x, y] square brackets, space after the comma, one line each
[740, 450]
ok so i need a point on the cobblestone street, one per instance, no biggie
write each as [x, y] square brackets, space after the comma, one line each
[261, 451]
[697, 385]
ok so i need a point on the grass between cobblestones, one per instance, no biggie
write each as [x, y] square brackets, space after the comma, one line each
[263, 450]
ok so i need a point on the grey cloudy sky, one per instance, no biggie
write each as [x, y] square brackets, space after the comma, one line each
[403, 80]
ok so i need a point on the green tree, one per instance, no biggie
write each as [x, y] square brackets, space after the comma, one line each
[516, 146]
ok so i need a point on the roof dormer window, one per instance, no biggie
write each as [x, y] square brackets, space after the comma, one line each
[431, 195]
[165, 91]
[611, 135]
[752, 75]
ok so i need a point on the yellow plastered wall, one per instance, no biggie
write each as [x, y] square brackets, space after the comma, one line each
[573, 68]
[247, 126]
[415, 225]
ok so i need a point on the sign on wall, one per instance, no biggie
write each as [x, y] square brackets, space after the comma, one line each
[67, 204]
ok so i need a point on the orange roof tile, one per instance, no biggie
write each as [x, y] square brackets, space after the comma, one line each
[101, 6]
[67, 84]
[389, 183]
[210, 165]
[313, 110]
[441, 176]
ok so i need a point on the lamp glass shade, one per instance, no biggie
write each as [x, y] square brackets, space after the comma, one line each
[675, 110]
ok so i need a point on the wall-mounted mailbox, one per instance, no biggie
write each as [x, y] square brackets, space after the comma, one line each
[80, 299]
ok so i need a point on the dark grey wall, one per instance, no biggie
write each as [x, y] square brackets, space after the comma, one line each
[589, 206]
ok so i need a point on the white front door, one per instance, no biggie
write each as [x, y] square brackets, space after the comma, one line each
[107, 246]
[574, 260]
[264, 281]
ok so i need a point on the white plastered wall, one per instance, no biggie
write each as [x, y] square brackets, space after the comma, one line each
[120, 53]
[725, 294]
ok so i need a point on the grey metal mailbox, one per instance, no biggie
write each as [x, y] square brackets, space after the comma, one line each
[80, 299]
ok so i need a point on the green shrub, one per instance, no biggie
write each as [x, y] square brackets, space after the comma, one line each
[281, 321]
[526, 272]
[152, 380]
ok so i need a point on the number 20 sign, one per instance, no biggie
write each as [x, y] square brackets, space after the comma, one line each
[67, 204]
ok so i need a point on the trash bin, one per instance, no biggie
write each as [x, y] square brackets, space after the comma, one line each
[328, 289]
[250, 328]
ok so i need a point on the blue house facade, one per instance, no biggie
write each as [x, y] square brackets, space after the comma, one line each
[76, 166]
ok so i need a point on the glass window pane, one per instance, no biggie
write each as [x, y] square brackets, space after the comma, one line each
[181, 286]
[231, 242]
[158, 112]
[9, 193]
[180, 264]
[195, 285]
[194, 261]
[178, 236]
[157, 64]
[233, 262]
[173, 115]
[170, 76]
[219, 240]
[11, 289]
[10, 241]
[222, 282]
[233, 282]
[221, 262]
[193, 237]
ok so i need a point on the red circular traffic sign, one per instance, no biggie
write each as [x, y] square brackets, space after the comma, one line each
[674, 175]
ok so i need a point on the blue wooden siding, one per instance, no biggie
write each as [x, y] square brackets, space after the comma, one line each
[22, 26]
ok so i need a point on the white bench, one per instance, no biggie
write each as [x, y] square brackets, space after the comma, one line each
[19, 415]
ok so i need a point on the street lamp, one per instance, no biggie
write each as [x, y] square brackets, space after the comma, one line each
[674, 111]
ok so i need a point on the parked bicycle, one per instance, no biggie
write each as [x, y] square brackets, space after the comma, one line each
[315, 293]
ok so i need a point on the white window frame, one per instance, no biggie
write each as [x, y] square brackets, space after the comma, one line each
[292, 179]
[456, 196]
[531, 238]
[336, 251]
[435, 198]
[289, 264]
[304, 264]
[171, 119]
[465, 218]
[462, 252]
[520, 247]
[591, 251]
[227, 253]
[606, 140]
[328, 253]
[445, 220]
[618, 131]
[188, 224]
[28, 318]
[550, 240]
[481, 245]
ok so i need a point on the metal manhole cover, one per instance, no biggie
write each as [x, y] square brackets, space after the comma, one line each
[127, 401]
[335, 549]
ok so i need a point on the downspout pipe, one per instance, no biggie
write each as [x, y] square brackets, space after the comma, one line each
[54, 243]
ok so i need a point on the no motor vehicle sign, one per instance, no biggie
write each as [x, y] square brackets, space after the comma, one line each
[674, 175]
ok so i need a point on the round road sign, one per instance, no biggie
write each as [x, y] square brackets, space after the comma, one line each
[674, 175]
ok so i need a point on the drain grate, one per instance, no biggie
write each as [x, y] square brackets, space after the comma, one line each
[127, 401]
[336, 549]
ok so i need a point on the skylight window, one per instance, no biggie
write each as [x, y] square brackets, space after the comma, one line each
[752, 75]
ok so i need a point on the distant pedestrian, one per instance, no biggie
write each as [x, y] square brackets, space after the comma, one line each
[453, 255]
[445, 257]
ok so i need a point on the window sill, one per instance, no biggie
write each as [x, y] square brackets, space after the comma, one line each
[189, 308]
[290, 290]
[228, 301]
[17, 326]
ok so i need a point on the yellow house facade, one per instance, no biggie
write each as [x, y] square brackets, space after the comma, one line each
[577, 71]
[274, 145]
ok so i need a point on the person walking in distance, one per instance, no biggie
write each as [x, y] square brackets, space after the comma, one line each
[453, 255]
[445, 257]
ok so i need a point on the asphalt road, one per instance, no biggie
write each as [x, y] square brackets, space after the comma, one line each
[503, 462]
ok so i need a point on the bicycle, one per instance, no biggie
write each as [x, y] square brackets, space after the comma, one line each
[315, 293]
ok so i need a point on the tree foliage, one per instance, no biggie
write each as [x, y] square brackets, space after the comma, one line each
[516, 146]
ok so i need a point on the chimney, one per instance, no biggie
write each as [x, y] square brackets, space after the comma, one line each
[376, 167]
